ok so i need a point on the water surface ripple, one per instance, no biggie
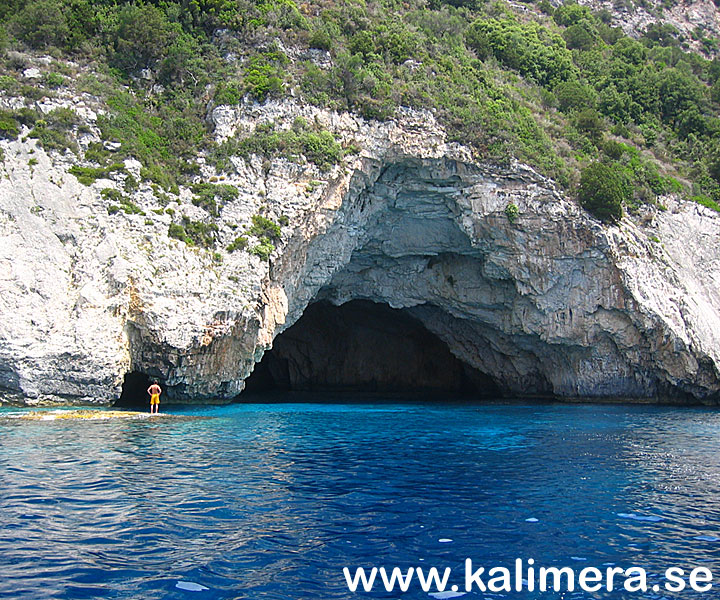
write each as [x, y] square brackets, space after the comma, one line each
[270, 501]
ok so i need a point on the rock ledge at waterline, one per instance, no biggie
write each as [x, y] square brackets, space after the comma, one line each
[554, 302]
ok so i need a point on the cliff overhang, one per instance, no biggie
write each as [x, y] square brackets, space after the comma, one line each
[539, 298]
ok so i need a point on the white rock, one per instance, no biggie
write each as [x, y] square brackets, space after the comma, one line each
[32, 73]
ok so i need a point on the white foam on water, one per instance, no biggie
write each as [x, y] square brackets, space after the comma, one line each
[444, 595]
[578, 558]
[650, 518]
[190, 586]
[444, 540]
[707, 538]
[531, 520]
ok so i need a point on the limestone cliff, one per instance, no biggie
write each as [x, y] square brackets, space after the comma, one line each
[550, 302]
[692, 19]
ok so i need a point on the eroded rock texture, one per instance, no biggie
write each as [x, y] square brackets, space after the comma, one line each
[550, 303]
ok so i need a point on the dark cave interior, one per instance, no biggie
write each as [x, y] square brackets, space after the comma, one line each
[363, 346]
[134, 391]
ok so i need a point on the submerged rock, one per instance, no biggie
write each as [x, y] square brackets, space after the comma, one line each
[549, 301]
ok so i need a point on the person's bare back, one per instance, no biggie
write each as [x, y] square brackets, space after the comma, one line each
[154, 390]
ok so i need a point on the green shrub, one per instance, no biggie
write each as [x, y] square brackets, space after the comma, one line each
[228, 94]
[202, 234]
[280, 13]
[9, 84]
[239, 243]
[178, 232]
[573, 95]
[613, 150]
[211, 197]
[88, 175]
[126, 205]
[264, 75]
[54, 80]
[9, 127]
[715, 92]
[52, 131]
[111, 194]
[546, 7]
[165, 141]
[321, 39]
[706, 202]
[589, 122]
[96, 152]
[130, 208]
[194, 233]
[62, 118]
[529, 48]
[577, 37]
[319, 147]
[42, 23]
[264, 227]
[572, 13]
[512, 212]
[141, 35]
[264, 249]
[52, 139]
[603, 190]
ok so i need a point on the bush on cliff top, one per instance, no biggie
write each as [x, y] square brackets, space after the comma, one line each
[603, 190]
[491, 74]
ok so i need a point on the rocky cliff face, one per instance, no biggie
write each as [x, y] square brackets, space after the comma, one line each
[693, 19]
[550, 302]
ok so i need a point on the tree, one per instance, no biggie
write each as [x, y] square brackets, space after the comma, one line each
[603, 189]
[573, 95]
[590, 123]
[142, 36]
[42, 24]
[531, 49]
[571, 13]
[678, 92]
[577, 37]
[715, 92]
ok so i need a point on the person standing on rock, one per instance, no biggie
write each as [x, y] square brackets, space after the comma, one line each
[154, 390]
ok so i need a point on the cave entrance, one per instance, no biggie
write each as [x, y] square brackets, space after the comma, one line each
[362, 346]
[134, 391]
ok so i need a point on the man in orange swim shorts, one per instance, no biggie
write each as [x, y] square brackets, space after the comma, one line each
[154, 390]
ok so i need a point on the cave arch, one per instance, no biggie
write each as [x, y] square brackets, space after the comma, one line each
[539, 302]
[364, 346]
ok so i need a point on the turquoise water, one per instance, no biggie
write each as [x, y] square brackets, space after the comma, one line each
[271, 501]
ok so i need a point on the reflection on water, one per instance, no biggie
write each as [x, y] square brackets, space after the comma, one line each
[271, 501]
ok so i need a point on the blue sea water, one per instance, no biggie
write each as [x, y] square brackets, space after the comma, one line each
[271, 501]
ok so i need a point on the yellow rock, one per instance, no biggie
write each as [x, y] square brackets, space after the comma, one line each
[88, 414]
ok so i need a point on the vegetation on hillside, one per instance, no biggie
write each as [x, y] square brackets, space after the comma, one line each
[558, 88]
